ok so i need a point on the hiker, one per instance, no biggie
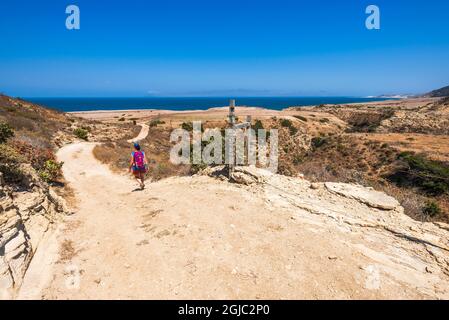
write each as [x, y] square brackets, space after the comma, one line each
[138, 165]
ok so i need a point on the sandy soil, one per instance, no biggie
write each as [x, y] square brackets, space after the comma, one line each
[198, 237]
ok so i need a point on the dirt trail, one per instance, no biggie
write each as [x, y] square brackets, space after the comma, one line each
[142, 135]
[199, 237]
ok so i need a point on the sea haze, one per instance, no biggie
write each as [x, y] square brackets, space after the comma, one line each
[188, 103]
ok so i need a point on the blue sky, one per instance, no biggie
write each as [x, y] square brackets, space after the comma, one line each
[220, 48]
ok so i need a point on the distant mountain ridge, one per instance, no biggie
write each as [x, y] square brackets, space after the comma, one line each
[442, 92]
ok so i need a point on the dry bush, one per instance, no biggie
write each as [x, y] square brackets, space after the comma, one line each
[81, 133]
[43, 160]
[35, 139]
[36, 156]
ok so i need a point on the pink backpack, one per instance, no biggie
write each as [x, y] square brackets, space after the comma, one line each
[139, 159]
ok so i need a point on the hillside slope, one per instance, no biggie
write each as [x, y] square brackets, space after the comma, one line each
[31, 183]
[442, 92]
[385, 145]
[29, 207]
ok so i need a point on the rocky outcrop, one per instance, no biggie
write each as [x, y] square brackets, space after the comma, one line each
[25, 217]
[363, 212]
[367, 196]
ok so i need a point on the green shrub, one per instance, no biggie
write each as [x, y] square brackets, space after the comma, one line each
[417, 171]
[318, 142]
[431, 209]
[324, 120]
[50, 171]
[121, 119]
[187, 126]
[81, 133]
[301, 118]
[6, 132]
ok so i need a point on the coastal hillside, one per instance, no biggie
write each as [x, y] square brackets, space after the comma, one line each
[442, 92]
[399, 147]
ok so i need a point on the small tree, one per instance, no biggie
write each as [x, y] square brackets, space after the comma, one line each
[6, 132]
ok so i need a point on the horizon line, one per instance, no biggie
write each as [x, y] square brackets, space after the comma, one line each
[206, 96]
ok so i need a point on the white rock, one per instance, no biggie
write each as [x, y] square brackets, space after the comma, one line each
[314, 185]
[369, 197]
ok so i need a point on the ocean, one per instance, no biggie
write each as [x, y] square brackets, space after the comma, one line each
[189, 103]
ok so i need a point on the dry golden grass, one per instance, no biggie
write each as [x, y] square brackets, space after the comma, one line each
[435, 147]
